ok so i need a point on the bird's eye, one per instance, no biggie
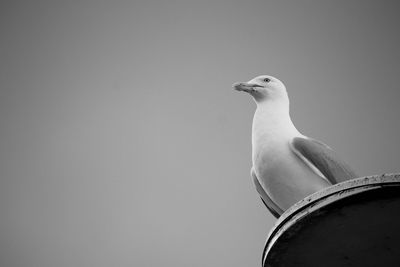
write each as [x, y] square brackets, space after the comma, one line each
[267, 80]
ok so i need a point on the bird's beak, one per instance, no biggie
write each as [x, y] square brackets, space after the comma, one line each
[246, 87]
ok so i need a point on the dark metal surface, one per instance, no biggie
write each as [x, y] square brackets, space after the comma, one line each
[354, 223]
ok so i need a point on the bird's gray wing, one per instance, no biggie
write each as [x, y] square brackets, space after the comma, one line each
[271, 206]
[323, 158]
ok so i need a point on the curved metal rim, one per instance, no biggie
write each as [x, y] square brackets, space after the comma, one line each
[323, 198]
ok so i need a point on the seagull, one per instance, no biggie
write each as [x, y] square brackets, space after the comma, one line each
[287, 165]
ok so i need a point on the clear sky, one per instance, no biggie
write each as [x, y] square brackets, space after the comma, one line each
[123, 143]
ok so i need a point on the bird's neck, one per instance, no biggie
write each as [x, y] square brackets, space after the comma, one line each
[271, 124]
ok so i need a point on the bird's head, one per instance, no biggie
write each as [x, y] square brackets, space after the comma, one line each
[263, 88]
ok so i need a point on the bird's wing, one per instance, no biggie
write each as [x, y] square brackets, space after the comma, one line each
[271, 206]
[323, 158]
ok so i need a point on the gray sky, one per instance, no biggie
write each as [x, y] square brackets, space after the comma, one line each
[123, 144]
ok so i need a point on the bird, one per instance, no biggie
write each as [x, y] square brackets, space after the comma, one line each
[287, 166]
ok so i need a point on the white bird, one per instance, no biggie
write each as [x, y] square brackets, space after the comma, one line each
[287, 166]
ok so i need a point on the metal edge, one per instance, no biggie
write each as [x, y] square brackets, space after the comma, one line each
[319, 199]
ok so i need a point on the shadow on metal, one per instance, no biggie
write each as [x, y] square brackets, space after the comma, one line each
[354, 223]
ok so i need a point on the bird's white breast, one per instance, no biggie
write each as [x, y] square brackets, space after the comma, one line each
[284, 177]
[272, 129]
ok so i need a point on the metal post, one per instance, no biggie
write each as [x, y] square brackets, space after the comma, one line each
[354, 223]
